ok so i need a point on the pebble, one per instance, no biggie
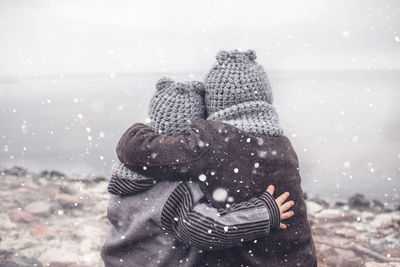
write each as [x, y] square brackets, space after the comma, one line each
[380, 264]
[68, 201]
[346, 232]
[21, 216]
[42, 230]
[313, 207]
[40, 208]
[55, 225]
[358, 201]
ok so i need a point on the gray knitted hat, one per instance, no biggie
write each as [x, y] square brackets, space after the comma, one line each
[172, 109]
[175, 106]
[238, 93]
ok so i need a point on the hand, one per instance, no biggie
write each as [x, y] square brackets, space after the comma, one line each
[283, 206]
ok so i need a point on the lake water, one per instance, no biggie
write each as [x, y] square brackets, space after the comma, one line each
[344, 125]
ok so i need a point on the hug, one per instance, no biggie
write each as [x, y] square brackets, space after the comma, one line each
[190, 187]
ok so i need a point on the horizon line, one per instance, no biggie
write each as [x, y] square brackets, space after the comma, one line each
[176, 72]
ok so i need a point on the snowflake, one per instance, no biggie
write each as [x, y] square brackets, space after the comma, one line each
[202, 177]
[220, 194]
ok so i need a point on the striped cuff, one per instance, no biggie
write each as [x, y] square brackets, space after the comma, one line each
[275, 215]
[126, 187]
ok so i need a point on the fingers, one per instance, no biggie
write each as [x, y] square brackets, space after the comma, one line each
[282, 226]
[271, 190]
[287, 215]
[286, 206]
[282, 198]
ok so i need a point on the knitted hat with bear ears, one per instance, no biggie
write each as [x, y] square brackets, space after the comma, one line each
[175, 105]
[234, 79]
[238, 92]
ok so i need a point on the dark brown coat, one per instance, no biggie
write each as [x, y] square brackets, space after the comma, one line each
[243, 163]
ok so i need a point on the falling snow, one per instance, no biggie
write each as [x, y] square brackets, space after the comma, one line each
[202, 177]
[220, 194]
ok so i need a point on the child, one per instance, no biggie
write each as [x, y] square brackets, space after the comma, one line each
[240, 147]
[137, 237]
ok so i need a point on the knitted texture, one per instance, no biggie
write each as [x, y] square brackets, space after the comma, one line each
[238, 92]
[174, 106]
[234, 79]
[256, 117]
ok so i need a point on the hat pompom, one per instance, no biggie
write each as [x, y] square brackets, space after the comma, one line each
[163, 83]
[251, 54]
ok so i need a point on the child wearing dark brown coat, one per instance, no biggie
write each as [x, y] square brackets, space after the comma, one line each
[238, 150]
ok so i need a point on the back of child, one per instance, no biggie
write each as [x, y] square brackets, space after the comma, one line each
[136, 237]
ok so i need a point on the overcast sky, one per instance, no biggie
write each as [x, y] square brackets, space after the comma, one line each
[94, 36]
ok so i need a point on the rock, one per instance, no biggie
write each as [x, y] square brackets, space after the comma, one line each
[9, 205]
[60, 257]
[320, 201]
[52, 174]
[51, 190]
[69, 201]
[335, 216]
[99, 179]
[358, 201]
[320, 230]
[66, 237]
[377, 245]
[21, 216]
[347, 254]
[313, 207]
[340, 203]
[25, 197]
[42, 230]
[68, 189]
[378, 264]
[39, 208]
[378, 206]
[393, 252]
[16, 171]
[11, 259]
[28, 184]
[346, 232]
[385, 220]
[342, 258]
[6, 223]
[4, 254]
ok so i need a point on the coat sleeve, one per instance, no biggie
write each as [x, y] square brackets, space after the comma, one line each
[200, 225]
[164, 157]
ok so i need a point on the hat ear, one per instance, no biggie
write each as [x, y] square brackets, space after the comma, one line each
[198, 87]
[222, 56]
[251, 54]
[163, 83]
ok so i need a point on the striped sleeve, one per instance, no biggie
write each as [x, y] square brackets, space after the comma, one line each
[200, 225]
[125, 182]
[125, 187]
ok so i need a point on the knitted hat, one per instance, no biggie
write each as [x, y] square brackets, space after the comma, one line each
[175, 106]
[236, 78]
[172, 109]
[238, 93]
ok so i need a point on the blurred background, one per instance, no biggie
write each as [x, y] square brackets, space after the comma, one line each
[74, 75]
